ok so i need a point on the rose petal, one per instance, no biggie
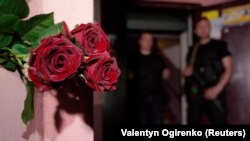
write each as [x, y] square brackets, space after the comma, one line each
[102, 73]
[54, 60]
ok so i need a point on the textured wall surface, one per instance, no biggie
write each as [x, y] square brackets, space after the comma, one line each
[238, 39]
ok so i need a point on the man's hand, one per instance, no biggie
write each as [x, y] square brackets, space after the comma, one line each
[212, 93]
[188, 71]
[166, 74]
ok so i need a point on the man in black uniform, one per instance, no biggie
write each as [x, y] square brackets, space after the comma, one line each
[147, 71]
[208, 71]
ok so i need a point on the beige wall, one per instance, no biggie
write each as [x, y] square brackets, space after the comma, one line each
[12, 95]
[72, 11]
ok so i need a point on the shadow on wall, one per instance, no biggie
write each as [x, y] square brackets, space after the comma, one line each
[75, 97]
[57, 111]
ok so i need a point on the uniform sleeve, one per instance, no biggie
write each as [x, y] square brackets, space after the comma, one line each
[224, 51]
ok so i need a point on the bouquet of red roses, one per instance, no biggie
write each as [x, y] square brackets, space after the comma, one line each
[47, 54]
[84, 52]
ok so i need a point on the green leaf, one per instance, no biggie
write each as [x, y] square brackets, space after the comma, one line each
[28, 111]
[52, 30]
[5, 40]
[10, 65]
[16, 7]
[2, 60]
[18, 49]
[4, 55]
[7, 23]
[32, 28]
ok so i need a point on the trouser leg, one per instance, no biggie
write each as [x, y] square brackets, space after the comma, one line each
[155, 111]
[216, 111]
[195, 110]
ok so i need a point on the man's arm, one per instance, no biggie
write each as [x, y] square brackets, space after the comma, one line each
[226, 76]
[213, 92]
[165, 74]
[188, 71]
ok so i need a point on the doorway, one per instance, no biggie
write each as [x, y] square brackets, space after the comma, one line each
[238, 39]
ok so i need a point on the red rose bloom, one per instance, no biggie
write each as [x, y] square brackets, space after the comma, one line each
[53, 61]
[91, 38]
[102, 74]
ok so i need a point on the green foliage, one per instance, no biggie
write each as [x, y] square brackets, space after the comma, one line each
[10, 65]
[28, 112]
[5, 40]
[18, 37]
[30, 29]
[52, 30]
[7, 23]
[17, 7]
[7, 59]
[19, 49]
